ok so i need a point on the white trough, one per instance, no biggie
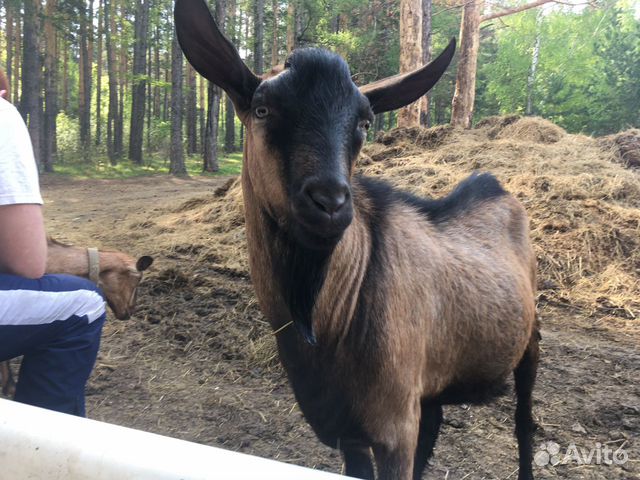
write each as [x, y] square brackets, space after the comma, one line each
[38, 444]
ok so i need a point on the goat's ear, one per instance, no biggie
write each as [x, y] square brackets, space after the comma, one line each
[143, 263]
[401, 90]
[212, 54]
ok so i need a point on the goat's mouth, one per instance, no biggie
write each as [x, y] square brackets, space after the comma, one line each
[315, 240]
[321, 210]
[126, 315]
[319, 232]
[120, 313]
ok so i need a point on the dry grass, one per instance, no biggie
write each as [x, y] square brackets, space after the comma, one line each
[582, 201]
[532, 129]
[624, 146]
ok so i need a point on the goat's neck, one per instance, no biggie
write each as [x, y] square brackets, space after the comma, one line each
[336, 300]
[74, 260]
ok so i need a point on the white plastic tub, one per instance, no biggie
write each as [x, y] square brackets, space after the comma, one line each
[38, 444]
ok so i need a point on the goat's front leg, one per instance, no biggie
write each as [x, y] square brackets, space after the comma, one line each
[395, 463]
[357, 462]
[395, 457]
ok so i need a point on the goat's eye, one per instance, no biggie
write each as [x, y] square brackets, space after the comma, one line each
[365, 124]
[261, 112]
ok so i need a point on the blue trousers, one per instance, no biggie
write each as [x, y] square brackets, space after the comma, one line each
[55, 322]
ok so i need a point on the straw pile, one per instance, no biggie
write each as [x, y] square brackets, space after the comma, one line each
[624, 146]
[584, 205]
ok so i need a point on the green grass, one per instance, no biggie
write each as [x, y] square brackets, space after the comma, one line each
[99, 167]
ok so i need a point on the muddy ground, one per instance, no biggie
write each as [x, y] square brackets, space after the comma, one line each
[191, 364]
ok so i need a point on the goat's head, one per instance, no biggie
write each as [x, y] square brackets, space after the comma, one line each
[120, 281]
[305, 124]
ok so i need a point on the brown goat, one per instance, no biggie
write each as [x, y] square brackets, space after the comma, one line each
[400, 304]
[116, 273]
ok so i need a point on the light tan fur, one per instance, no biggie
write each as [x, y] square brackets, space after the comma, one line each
[119, 280]
[264, 170]
[119, 276]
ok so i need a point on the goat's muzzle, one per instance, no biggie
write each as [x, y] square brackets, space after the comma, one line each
[322, 210]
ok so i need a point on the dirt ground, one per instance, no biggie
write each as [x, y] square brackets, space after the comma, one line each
[185, 365]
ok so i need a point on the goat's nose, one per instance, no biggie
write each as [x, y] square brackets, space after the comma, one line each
[328, 196]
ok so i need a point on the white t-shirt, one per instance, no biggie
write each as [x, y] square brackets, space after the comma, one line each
[18, 171]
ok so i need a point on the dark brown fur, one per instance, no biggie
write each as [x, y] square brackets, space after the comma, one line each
[452, 315]
[387, 306]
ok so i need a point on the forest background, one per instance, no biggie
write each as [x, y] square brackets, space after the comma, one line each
[106, 92]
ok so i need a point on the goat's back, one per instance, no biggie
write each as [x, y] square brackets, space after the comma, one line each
[459, 283]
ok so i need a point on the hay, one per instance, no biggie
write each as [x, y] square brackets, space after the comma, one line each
[583, 206]
[624, 146]
[532, 129]
[494, 125]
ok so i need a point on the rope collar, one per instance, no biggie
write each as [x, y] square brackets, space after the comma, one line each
[94, 265]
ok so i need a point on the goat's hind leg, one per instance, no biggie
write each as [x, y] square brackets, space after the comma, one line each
[358, 462]
[525, 377]
[430, 422]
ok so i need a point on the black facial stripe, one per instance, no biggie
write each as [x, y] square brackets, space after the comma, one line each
[315, 110]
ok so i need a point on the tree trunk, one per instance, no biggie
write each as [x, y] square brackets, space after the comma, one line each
[335, 23]
[17, 67]
[298, 21]
[426, 58]
[202, 109]
[122, 76]
[84, 95]
[65, 77]
[149, 94]
[211, 130]
[112, 64]
[378, 123]
[82, 54]
[230, 114]
[291, 26]
[210, 155]
[51, 88]
[139, 89]
[531, 79]
[258, 37]
[191, 114]
[101, 29]
[176, 156]
[156, 89]
[10, 46]
[464, 96]
[30, 102]
[410, 53]
[274, 42]
[166, 100]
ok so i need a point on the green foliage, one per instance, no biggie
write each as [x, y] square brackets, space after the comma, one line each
[587, 80]
[588, 76]
[160, 135]
[68, 138]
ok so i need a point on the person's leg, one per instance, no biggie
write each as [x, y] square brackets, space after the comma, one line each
[55, 322]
